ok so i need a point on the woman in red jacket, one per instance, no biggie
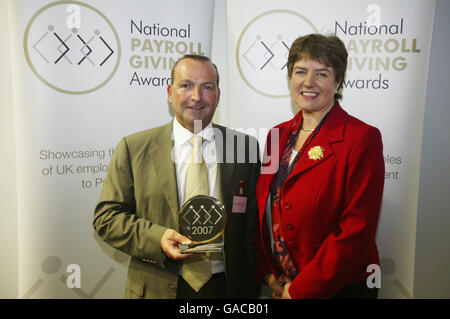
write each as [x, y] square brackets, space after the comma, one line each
[318, 213]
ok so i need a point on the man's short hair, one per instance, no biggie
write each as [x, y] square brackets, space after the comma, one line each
[196, 57]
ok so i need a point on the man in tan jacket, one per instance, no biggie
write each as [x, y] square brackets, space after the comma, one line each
[138, 211]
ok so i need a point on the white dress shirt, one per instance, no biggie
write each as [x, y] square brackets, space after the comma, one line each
[181, 157]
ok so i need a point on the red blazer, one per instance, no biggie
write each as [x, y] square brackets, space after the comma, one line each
[330, 206]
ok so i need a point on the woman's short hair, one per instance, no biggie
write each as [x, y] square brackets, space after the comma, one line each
[328, 50]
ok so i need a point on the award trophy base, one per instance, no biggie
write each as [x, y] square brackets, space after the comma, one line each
[200, 248]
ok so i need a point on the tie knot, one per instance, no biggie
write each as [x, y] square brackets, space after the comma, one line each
[196, 141]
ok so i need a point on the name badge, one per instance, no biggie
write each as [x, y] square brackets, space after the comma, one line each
[239, 204]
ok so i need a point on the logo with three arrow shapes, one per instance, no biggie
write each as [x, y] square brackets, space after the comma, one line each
[202, 218]
[263, 48]
[72, 47]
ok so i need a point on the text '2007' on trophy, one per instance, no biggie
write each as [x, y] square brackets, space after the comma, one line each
[202, 220]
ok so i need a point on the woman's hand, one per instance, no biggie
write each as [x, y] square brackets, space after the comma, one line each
[285, 294]
[275, 285]
[278, 286]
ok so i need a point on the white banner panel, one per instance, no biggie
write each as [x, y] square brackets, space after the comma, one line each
[85, 75]
[388, 44]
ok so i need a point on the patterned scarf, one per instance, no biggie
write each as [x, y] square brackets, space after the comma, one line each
[281, 252]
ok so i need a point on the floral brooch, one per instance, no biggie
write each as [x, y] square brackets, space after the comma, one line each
[315, 153]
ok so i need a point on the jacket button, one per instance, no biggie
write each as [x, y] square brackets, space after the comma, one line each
[288, 205]
[290, 226]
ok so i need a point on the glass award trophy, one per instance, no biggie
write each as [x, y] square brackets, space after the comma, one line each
[202, 220]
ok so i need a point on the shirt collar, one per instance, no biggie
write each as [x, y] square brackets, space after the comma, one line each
[181, 135]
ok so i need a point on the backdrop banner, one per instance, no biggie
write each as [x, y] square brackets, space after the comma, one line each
[389, 47]
[85, 75]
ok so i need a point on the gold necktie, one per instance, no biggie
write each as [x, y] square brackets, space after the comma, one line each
[196, 270]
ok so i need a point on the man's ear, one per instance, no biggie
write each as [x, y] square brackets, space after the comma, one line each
[169, 93]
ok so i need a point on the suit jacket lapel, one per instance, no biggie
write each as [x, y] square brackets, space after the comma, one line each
[331, 131]
[161, 156]
[225, 171]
